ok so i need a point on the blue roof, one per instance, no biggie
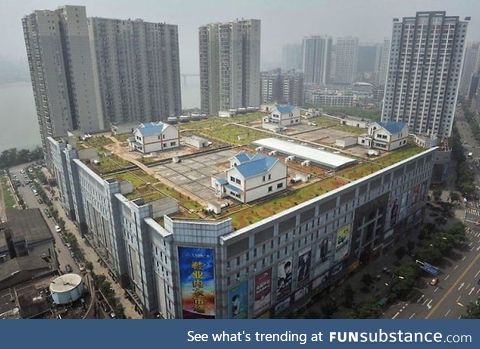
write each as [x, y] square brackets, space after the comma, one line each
[233, 188]
[287, 108]
[243, 156]
[152, 128]
[392, 126]
[258, 165]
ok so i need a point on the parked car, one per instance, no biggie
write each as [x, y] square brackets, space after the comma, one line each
[58, 229]
[47, 213]
[68, 268]
[434, 281]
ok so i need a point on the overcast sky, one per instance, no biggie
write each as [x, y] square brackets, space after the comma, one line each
[283, 21]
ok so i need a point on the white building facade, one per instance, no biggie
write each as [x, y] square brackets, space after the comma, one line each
[154, 136]
[425, 67]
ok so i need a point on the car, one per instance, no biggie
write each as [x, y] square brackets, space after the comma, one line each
[47, 212]
[81, 267]
[58, 229]
[68, 268]
[434, 281]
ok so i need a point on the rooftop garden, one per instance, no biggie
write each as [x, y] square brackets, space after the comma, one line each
[110, 163]
[323, 121]
[372, 114]
[97, 142]
[251, 214]
[224, 129]
[8, 198]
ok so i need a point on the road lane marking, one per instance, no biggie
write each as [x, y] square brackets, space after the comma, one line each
[458, 299]
[446, 294]
[461, 286]
[429, 305]
[460, 304]
[478, 273]
[436, 289]
[455, 267]
[448, 312]
[421, 297]
[464, 258]
[473, 289]
[394, 316]
[411, 316]
[446, 277]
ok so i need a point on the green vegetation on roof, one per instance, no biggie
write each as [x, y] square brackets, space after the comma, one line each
[8, 198]
[225, 130]
[371, 114]
[110, 163]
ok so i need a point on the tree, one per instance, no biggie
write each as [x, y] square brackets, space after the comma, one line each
[329, 307]
[367, 279]
[368, 310]
[473, 310]
[437, 193]
[410, 246]
[348, 296]
[400, 252]
[454, 196]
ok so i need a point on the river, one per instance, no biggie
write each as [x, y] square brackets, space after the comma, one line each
[18, 119]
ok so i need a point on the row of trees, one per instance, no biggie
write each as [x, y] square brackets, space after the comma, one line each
[371, 114]
[465, 176]
[12, 157]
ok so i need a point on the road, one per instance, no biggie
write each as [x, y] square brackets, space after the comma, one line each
[63, 253]
[460, 280]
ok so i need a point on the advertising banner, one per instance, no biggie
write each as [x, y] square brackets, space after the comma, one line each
[197, 282]
[238, 301]
[320, 281]
[284, 278]
[281, 306]
[303, 266]
[343, 242]
[263, 290]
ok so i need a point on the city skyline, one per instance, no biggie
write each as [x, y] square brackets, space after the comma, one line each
[343, 18]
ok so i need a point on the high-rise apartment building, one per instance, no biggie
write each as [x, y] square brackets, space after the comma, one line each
[346, 53]
[136, 69]
[229, 65]
[383, 63]
[292, 57]
[424, 72]
[58, 52]
[471, 65]
[317, 58]
[282, 87]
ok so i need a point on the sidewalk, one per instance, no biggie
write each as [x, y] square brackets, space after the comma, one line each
[91, 256]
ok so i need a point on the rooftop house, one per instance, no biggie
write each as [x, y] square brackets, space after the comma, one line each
[154, 136]
[389, 135]
[251, 177]
[281, 117]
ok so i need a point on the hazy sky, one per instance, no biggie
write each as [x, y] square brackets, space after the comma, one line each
[283, 21]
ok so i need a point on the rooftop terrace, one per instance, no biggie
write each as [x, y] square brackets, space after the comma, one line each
[189, 180]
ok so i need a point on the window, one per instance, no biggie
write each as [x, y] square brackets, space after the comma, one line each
[270, 189]
[172, 144]
[279, 185]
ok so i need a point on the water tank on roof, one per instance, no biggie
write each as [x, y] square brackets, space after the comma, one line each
[66, 288]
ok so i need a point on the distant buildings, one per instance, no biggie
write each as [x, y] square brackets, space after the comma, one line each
[87, 74]
[58, 52]
[292, 57]
[471, 65]
[383, 64]
[229, 65]
[136, 69]
[328, 98]
[281, 87]
[346, 55]
[252, 177]
[317, 59]
[154, 136]
[424, 72]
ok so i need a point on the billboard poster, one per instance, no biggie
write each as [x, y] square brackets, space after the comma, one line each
[300, 293]
[263, 290]
[392, 213]
[343, 242]
[238, 301]
[284, 277]
[280, 307]
[336, 269]
[303, 266]
[197, 282]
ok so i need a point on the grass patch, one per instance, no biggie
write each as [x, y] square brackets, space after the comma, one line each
[323, 121]
[398, 155]
[359, 171]
[110, 163]
[350, 129]
[223, 130]
[257, 212]
[372, 114]
[96, 142]
[8, 198]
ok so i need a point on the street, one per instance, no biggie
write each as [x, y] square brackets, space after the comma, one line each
[63, 252]
[459, 282]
